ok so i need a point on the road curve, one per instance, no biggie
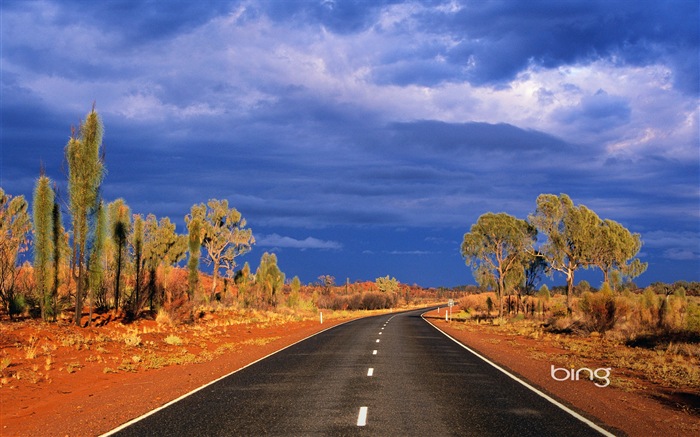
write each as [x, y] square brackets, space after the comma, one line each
[389, 375]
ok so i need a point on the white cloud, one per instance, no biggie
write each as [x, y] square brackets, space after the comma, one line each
[676, 245]
[276, 240]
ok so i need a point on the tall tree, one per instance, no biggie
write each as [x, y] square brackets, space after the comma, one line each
[15, 225]
[269, 278]
[85, 172]
[95, 263]
[137, 247]
[225, 235]
[162, 247]
[616, 248]
[194, 245]
[497, 247]
[120, 227]
[571, 235]
[61, 251]
[42, 213]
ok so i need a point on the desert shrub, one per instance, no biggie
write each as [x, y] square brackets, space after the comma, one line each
[173, 340]
[476, 302]
[558, 309]
[178, 311]
[692, 323]
[599, 309]
[375, 300]
[673, 310]
[17, 304]
[648, 308]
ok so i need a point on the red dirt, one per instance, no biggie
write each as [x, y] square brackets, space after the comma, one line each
[628, 412]
[77, 394]
[90, 401]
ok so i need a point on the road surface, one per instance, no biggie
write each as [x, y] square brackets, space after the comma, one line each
[389, 375]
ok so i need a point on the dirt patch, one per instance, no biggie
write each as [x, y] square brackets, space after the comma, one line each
[61, 380]
[630, 404]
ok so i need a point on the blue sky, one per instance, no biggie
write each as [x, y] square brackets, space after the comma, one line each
[363, 138]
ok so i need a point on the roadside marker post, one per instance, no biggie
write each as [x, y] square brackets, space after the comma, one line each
[321, 318]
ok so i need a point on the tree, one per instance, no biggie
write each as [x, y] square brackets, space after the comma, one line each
[14, 227]
[269, 278]
[194, 239]
[95, 267]
[535, 268]
[294, 294]
[616, 248]
[327, 282]
[43, 203]
[85, 172]
[137, 248]
[571, 236]
[162, 246]
[387, 285]
[496, 248]
[61, 251]
[225, 236]
[119, 227]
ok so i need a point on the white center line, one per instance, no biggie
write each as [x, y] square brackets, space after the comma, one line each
[370, 371]
[377, 340]
[380, 333]
[362, 417]
[374, 352]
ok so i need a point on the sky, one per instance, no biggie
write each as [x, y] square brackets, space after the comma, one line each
[362, 139]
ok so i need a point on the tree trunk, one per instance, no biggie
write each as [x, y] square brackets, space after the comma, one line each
[569, 290]
[79, 292]
[215, 276]
[117, 281]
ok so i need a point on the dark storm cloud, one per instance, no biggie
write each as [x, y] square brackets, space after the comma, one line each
[599, 111]
[468, 137]
[497, 40]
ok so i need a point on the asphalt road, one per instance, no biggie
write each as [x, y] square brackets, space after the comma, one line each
[421, 383]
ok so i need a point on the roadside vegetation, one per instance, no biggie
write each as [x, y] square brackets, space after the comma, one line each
[650, 335]
[112, 264]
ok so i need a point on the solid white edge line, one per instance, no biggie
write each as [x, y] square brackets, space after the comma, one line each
[143, 416]
[362, 417]
[538, 392]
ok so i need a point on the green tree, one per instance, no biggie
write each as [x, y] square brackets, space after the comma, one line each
[225, 235]
[194, 244]
[95, 263]
[269, 278]
[294, 294]
[571, 235]
[496, 247]
[15, 226]
[42, 213]
[162, 246]
[120, 227]
[386, 284]
[61, 251]
[616, 248]
[85, 172]
[243, 281]
[137, 248]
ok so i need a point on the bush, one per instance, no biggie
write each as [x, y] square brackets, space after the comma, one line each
[599, 309]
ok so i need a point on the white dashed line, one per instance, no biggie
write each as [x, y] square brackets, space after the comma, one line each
[380, 333]
[377, 340]
[362, 417]
[374, 352]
